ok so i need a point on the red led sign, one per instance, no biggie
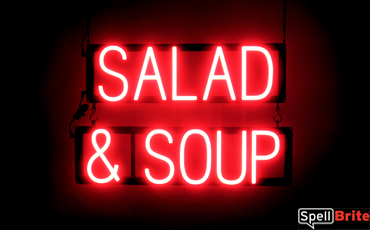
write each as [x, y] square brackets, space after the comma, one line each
[186, 72]
[205, 156]
[227, 73]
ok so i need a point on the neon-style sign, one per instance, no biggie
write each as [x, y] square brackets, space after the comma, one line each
[156, 76]
[100, 153]
[111, 72]
[243, 160]
[256, 157]
[182, 156]
[231, 73]
[220, 55]
[244, 73]
[122, 73]
[163, 158]
[173, 154]
[176, 97]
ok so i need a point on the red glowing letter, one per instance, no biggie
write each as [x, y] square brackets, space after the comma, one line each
[120, 76]
[244, 160]
[100, 153]
[163, 158]
[244, 72]
[255, 157]
[156, 76]
[174, 80]
[182, 156]
[212, 76]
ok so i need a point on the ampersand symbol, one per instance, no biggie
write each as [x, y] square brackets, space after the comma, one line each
[100, 153]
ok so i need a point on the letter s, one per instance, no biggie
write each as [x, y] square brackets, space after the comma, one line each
[303, 214]
[161, 157]
[115, 74]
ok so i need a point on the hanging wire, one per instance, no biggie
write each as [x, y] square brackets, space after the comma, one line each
[278, 110]
[87, 35]
[281, 118]
[285, 2]
[82, 108]
[93, 121]
[80, 113]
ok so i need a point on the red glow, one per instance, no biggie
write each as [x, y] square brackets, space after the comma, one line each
[245, 73]
[219, 55]
[182, 156]
[100, 153]
[156, 76]
[163, 158]
[178, 155]
[243, 160]
[115, 74]
[256, 157]
[175, 97]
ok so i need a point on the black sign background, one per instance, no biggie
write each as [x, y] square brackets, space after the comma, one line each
[325, 105]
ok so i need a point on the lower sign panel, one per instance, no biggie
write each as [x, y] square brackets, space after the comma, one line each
[183, 156]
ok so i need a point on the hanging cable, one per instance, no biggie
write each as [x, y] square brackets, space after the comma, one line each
[93, 121]
[278, 110]
[80, 113]
[87, 35]
[281, 118]
[285, 2]
[82, 108]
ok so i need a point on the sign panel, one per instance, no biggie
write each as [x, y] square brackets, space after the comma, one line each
[183, 156]
[134, 73]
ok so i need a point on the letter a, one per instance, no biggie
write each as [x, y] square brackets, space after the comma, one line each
[212, 76]
[156, 76]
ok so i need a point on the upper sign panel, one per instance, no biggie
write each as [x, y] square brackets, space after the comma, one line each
[206, 73]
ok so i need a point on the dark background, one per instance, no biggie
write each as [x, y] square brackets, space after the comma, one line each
[326, 106]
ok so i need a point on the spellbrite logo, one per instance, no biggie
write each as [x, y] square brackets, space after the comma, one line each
[329, 218]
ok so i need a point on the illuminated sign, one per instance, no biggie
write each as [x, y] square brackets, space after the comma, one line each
[205, 156]
[186, 72]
